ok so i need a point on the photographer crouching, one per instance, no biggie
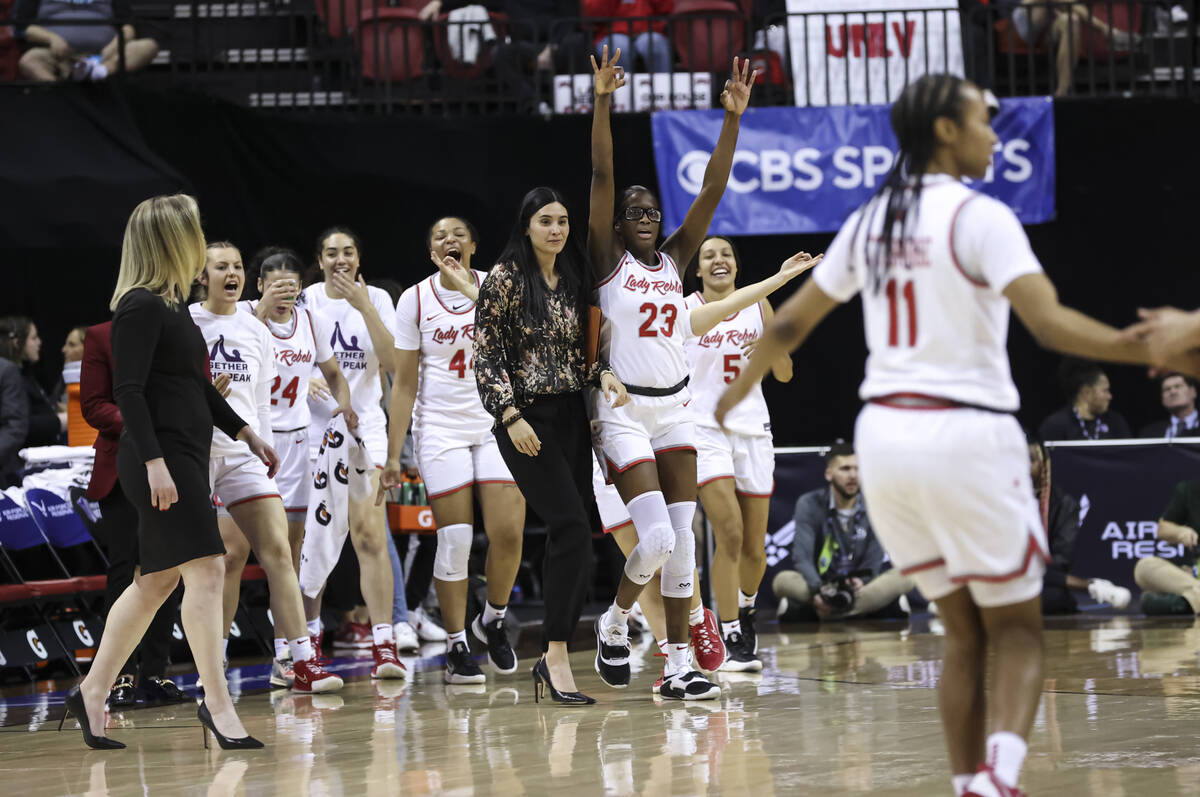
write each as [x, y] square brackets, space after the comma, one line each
[841, 569]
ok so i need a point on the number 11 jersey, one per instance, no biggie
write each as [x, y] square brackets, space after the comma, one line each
[440, 324]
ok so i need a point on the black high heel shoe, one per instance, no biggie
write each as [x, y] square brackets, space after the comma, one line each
[541, 680]
[206, 722]
[74, 706]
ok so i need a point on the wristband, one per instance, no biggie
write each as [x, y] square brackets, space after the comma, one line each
[516, 416]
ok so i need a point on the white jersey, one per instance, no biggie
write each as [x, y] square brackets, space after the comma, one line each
[645, 323]
[938, 325]
[299, 345]
[352, 346]
[440, 324]
[716, 359]
[239, 346]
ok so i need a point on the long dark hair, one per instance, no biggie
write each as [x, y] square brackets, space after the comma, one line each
[691, 277]
[14, 331]
[314, 273]
[574, 272]
[912, 117]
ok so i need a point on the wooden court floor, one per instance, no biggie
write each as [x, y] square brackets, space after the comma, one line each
[840, 710]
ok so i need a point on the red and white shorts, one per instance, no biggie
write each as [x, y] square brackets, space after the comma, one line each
[294, 477]
[748, 460]
[239, 478]
[950, 496]
[613, 514]
[450, 460]
[637, 432]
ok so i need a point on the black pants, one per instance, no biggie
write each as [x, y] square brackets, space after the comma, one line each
[420, 576]
[118, 528]
[557, 485]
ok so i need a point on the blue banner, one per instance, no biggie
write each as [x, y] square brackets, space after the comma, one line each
[803, 170]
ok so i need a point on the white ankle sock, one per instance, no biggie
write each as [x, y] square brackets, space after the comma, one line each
[491, 613]
[678, 658]
[1006, 754]
[616, 616]
[696, 616]
[662, 645]
[729, 628]
[314, 627]
[453, 637]
[383, 634]
[746, 601]
[281, 648]
[301, 649]
[961, 782]
[225, 648]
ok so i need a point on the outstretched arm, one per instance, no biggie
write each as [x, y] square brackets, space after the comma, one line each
[601, 238]
[684, 242]
[781, 367]
[708, 315]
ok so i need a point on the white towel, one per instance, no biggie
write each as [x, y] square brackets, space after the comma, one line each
[342, 473]
[467, 28]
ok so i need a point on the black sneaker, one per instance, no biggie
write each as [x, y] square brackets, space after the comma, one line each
[161, 691]
[460, 667]
[612, 655]
[123, 694]
[746, 618]
[688, 685]
[738, 655]
[495, 636]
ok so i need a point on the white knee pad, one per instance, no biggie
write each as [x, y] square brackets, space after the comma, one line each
[453, 552]
[679, 571]
[656, 538]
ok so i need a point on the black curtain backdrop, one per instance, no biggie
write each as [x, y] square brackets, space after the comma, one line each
[75, 160]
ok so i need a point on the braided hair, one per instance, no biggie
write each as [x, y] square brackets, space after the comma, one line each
[899, 196]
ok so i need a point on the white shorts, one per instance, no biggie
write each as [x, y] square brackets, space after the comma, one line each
[295, 472]
[950, 496]
[636, 433]
[748, 460]
[237, 479]
[450, 461]
[613, 514]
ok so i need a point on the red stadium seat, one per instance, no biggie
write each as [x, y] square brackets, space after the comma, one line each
[391, 43]
[341, 16]
[254, 573]
[9, 51]
[455, 68]
[707, 34]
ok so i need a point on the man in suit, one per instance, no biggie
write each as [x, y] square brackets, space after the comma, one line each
[1179, 400]
[118, 528]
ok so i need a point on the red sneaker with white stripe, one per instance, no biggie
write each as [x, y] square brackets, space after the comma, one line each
[319, 656]
[707, 645]
[311, 677]
[986, 784]
[387, 664]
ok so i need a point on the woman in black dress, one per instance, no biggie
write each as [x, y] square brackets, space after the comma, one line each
[169, 408]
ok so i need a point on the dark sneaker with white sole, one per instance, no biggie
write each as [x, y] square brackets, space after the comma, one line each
[461, 667]
[688, 685]
[500, 653]
[738, 655]
[746, 618]
[612, 654]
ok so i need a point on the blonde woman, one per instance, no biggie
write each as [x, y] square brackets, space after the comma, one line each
[169, 408]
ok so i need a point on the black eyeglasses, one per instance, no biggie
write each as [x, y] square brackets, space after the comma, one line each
[635, 213]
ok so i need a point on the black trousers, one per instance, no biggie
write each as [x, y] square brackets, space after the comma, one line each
[557, 485]
[420, 576]
[118, 529]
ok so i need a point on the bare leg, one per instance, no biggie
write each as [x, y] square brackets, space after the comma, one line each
[721, 507]
[1015, 635]
[1065, 34]
[963, 704]
[504, 520]
[264, 524]
[755, 511]
[237, 552]
[296, 541]
[202, 583]
[559, 664]
[139, 53]
[368, 525]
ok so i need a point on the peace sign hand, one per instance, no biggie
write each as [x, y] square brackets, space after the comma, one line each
[608, 76]
[736, 95]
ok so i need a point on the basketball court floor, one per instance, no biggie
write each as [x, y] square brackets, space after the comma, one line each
[839, 710]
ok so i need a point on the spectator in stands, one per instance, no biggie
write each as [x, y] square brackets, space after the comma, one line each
[72, 352]
[770, 26]
[1066, 20]
[640, 39]
[1060, 518]
[1087, 416]
[836, 545]
[45, 427]
[1164, 582]
[1179, 400]
[14, 407]
[58, 48]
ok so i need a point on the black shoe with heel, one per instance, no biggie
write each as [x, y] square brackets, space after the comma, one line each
[75, 707]
[206, 721]
[541, 680]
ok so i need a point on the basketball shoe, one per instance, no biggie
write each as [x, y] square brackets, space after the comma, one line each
[387, 665]
[707, 646]
[986, 784]
[311, 677]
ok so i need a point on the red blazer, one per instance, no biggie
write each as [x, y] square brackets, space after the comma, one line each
[99, 408]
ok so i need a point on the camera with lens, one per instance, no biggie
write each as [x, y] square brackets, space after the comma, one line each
[838, 588]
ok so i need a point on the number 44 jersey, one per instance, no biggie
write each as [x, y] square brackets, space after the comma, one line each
[440, 324]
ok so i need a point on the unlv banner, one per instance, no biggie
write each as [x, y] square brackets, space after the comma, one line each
[844, 58]
[803, 170]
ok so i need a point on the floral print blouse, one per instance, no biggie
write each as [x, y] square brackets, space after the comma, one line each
[518, 359]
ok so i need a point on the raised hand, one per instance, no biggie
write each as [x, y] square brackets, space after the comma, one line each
[736, 95]
[459, 278]
[798, 263]
[608, 77]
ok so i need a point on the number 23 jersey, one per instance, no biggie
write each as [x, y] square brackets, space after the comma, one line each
[440, 324]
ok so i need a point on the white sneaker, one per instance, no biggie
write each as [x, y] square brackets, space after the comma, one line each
[637, 620]
[1104, 591]
[427, 629]
[406, 637]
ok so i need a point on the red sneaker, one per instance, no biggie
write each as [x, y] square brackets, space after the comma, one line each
[986, 784]
[706, 643]
[311, 677]
[387, 665]
[354, 636]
